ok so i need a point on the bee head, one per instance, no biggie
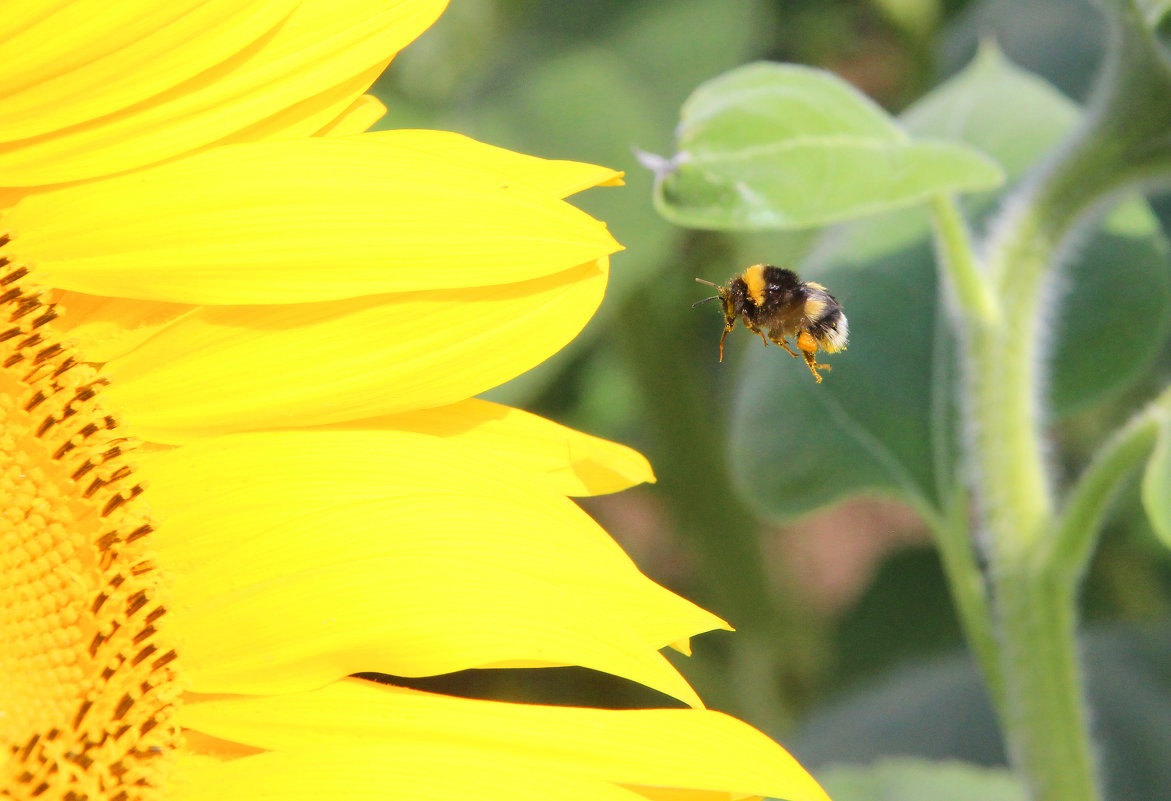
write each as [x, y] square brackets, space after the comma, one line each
[725, 296]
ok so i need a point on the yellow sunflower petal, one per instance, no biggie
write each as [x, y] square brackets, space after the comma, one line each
[570, 462]
[66, 63]
[368, 773]
[307, 220]
[232, 369]
[688, 749]
[340, 552]
[365, 616]
[381, 468]
[362, 113]
[103, 328]
[199, 746]
[309, 116]
[321, 44]
[558, 178]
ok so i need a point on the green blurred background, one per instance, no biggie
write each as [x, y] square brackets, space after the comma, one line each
[847, 647]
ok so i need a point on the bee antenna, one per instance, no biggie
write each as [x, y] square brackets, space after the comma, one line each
[719, 289]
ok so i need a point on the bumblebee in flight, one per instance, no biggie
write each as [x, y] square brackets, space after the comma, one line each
[775, 300]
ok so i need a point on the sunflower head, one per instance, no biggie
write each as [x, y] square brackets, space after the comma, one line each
[87, 682]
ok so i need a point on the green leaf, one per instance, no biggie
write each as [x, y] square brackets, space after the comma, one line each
[784, 146]
[921, 780]
[1156, 489]
[997, 108]
[884, 419]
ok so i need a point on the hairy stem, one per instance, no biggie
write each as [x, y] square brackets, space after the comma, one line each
[1036, 557]
[1088, 500]
[1042, 705]
[957, 259]
[969, 592]
[1046, 723]
[973, 300]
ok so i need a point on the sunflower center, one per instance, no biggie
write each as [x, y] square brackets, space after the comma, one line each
[87, 684]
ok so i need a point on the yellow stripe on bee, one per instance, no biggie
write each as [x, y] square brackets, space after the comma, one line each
[754, 281]
[814, 306]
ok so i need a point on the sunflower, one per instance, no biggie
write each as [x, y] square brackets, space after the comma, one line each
[243, 460]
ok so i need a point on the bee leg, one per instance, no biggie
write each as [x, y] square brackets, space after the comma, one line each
[808, 346]
[781, 341]
[756, 331]
[729, 324]
[727, 328]
[814, 366]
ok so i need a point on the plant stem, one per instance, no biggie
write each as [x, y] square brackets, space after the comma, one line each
[1045, 721]
[971, 293]
[1043, 709]
[969, 592]
[1003, 413]
[1042, 706]
[957, 259]
[1037, 681]
[1035, 557]
[1089, 498]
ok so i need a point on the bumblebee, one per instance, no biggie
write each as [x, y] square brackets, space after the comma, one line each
[775, 300]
